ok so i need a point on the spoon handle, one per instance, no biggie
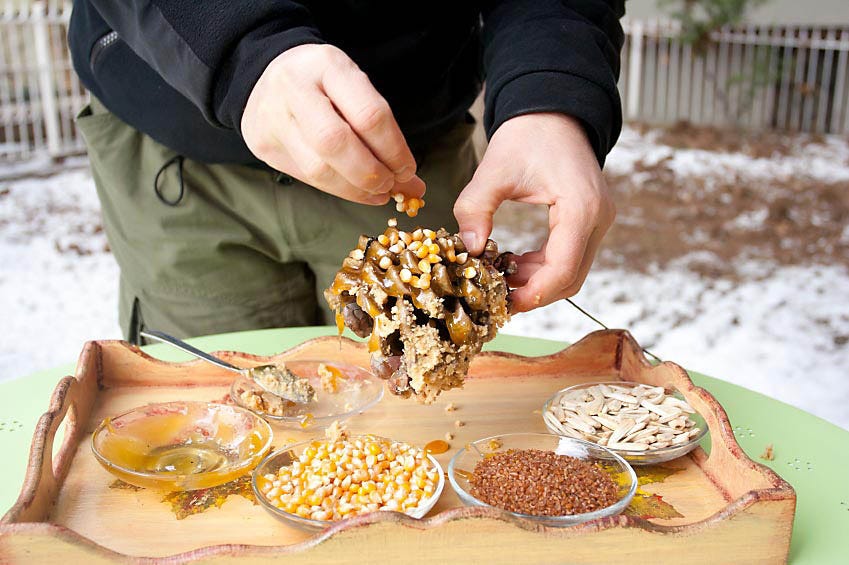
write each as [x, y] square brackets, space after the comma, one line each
[183, 346]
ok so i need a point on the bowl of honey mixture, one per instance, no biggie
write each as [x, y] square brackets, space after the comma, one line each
[176, 446]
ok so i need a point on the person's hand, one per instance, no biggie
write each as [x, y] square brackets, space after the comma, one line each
[315, 115]
[541, 159]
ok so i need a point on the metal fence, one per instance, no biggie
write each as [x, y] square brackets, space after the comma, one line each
[755, 77]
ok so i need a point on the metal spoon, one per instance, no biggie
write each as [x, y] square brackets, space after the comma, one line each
[275, 379]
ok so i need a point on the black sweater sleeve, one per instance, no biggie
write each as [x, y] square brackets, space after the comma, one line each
[212, 52]
[555, 56]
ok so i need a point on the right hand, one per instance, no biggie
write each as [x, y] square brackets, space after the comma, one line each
[315, 115]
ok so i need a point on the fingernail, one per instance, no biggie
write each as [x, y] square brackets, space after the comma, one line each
[471, 241]
[405, 174]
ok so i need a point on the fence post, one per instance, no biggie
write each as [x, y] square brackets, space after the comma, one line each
[46, 84]
[635, 69]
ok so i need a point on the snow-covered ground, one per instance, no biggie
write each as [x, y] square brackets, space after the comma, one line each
[777, 327]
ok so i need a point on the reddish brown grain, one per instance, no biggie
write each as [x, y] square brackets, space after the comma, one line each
[542, 483]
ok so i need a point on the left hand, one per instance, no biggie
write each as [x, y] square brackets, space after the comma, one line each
[542, 158]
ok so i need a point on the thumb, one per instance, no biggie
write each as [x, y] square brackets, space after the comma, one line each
[475, 207]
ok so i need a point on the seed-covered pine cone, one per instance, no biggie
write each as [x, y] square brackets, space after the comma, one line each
[426, 305]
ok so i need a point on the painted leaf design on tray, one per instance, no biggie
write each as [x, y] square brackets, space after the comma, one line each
[121, 485]
[650, 506]
[187, 503]
[646, 505]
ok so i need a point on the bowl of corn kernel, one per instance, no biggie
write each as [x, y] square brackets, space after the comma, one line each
[314, 483]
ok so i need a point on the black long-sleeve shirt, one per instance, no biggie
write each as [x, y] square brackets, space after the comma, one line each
[182, 71]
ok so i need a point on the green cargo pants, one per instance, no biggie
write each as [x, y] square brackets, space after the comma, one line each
[218, 248]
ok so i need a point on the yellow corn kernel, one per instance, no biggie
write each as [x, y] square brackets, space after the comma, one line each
[415, 245]
[424, 266]
[413, 205]
[383, 240]
[422, 252]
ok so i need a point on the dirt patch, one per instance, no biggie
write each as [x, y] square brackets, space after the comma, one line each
[683, 135]
[719, 223]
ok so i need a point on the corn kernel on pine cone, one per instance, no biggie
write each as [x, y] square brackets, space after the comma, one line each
[425, 304]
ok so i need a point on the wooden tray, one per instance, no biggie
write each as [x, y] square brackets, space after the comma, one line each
[728, 507]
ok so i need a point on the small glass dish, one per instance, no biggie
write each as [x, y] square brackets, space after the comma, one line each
[177, 446]
[462, 466]
[285, 456]
[357, 391]
[635, 457]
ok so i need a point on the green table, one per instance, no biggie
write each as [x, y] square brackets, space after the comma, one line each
[811, 454]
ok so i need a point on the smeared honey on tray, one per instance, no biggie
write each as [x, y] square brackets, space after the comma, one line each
[436, 447]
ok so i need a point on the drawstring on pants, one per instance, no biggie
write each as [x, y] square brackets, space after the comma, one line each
[156, 188]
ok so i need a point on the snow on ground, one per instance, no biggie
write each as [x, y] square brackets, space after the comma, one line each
[766, 335]
[58, 282]
[778, 328]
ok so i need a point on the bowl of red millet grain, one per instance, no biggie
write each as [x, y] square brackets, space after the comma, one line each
[550, 479]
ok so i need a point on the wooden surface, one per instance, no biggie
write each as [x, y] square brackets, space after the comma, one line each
[731, 505]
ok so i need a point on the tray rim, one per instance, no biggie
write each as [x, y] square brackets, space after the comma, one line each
[68, 398]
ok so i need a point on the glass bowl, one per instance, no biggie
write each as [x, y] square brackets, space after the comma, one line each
[178, 446]
[462, 465]
[285, 456]
[635, 457]
[358, 390]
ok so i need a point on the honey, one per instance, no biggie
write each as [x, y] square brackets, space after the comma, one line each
[464, 474]
[307, 420]
[181, 445]
[186, 459]
[437, 447]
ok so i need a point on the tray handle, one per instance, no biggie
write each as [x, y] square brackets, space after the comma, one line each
[727, 463]
[44, 474]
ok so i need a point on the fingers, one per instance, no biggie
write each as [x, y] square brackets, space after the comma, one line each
[475, 207]
[296, 157]
[370, 116]
[559, 270]
[415, 187]
[333, 140]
